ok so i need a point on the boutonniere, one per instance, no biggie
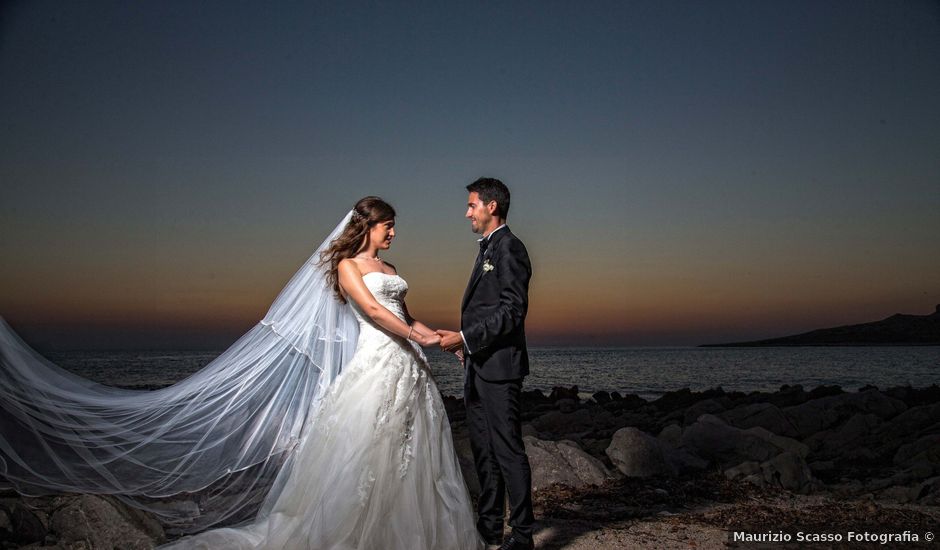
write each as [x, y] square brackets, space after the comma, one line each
[487, 266]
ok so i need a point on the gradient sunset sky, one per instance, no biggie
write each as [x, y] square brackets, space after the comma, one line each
[682, 172]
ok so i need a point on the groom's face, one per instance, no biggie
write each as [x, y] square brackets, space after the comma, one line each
[478, 213]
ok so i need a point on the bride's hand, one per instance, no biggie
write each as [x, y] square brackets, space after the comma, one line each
[426, 341]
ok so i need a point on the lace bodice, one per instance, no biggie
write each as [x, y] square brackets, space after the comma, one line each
[389, 290]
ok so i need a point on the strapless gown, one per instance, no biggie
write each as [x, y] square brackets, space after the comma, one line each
[380, 471]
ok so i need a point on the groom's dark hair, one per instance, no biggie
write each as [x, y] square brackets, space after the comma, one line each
[491, 189]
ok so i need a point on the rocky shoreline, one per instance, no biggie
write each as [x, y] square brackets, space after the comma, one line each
[616, 471]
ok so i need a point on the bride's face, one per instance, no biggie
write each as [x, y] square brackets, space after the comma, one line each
[382, 234]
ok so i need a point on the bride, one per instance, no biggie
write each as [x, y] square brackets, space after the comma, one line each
[325, 413]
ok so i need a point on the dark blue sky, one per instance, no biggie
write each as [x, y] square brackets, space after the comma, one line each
[681, 171]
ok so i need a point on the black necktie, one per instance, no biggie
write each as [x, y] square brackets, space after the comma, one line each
[483, 244]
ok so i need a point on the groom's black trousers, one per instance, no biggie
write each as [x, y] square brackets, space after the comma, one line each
[495, 426]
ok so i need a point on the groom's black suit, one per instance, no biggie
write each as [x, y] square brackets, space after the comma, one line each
[492, 322]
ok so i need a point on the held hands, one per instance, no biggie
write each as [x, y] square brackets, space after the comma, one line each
[450, 341]
[426, 340]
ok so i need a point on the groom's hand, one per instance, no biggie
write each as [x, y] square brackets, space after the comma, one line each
[450, 340]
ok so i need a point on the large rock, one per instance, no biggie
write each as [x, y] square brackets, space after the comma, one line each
[786, 470]
[670, 435]
[906, 428]
[714, 440]
[559, 423]
[624, 403]
[561, 392]
[928, 492]
[826, 412]
[697, 409]
[601, 397]
[749, 471]
[789, 471]
[765, 415]
[925, 450]
[602, 420]
[563, 462]
[678, 399]
[19, 524]
[784, 443]
[103, 523]
[638, 454]
[912, 421]
[853, 434]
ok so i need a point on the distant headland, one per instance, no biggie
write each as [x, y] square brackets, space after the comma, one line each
[898, 329]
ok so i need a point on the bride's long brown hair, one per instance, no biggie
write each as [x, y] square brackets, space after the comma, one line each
[367, 212]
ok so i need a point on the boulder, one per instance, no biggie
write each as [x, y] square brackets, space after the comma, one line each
[926, 450]
[559, 423]
[624, 403]
[529, 429]
[853, 433]
[682, 460]
[710, 438]
[670, 435]
[916, 396]
[638, 454]
[103, 523]
[705, 406]
[563, 462]
[786, 470]
[765, 415]
[749, 470]
[601, 397]
[6, 524]
[674, 400]
[784, 443]
[532, 398]
[595, 447]
[912, 421]
[788, 395]
[561, 392]
[822, 466]
[825, 412]
[20, 524]
[602, 419]
[789, 471]
[928, 492]
[859, 426]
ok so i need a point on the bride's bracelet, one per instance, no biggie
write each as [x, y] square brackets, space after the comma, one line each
[410, 331]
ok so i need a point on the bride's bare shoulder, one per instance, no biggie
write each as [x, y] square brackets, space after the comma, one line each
[349, 266]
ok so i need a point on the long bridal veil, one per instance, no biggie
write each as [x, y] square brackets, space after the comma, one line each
[207, 449]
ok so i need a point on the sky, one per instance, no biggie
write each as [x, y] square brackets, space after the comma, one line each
[681, 172]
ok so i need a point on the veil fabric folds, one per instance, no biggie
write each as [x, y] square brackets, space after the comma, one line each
[208, 449]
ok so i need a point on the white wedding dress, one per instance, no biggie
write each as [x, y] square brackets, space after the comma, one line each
[380, 471]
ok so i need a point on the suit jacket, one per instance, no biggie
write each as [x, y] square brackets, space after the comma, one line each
[492, 315]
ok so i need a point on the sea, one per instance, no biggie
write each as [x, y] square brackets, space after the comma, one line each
[645, 371]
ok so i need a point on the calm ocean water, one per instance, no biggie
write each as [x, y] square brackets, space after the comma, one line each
[648, 372]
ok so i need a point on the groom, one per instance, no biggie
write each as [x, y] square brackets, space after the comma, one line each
[492, 342]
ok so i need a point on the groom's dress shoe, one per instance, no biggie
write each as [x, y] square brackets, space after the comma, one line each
[512, 543]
